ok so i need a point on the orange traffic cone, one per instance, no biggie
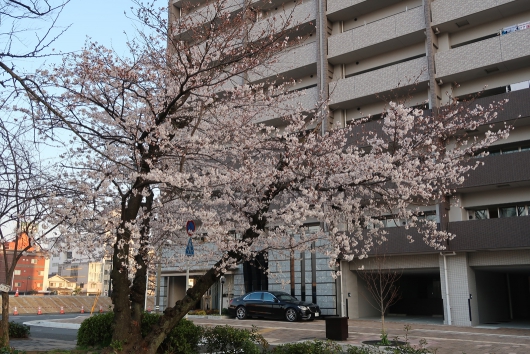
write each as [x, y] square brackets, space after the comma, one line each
[16, 293]
[82, 309]
[62, 311]
[101, 309]
[15, 312]
[39, 312]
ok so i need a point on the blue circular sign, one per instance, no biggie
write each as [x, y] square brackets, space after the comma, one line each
[190, 227]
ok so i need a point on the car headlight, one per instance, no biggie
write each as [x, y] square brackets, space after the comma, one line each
[303, 308]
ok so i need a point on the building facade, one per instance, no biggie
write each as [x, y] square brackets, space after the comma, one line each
[92, 277]
[31, 271]
[362, 54]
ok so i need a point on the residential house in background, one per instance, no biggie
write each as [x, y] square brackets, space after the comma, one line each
[61, 286]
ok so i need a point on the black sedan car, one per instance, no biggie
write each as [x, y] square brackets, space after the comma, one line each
[272, 304]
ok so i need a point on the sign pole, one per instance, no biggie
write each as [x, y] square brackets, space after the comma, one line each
[187, 283]
[190, 229]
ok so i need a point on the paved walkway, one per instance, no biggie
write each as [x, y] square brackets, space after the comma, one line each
[446, 339]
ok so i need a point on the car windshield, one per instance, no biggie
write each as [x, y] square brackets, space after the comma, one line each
[285, 297]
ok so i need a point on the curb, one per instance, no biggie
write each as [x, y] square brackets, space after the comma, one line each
[53, 324]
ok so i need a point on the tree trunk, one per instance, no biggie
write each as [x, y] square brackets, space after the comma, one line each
[172, 315]
[5, 320]
[125, 327]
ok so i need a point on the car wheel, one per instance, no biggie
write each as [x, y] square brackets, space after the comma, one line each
[290, 315]
[311, 318]
[241, 313]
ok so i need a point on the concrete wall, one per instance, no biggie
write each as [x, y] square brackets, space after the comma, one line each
[51, 304]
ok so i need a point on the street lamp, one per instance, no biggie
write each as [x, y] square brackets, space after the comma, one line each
[222, 280]
[27, 281]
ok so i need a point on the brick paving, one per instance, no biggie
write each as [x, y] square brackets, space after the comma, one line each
[446, 339]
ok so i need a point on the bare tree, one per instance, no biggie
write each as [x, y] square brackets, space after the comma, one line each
[27, 31]
[383, 288]
[27, 211]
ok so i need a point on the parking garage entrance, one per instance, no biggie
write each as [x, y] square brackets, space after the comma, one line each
[503, 295]
[420, 295]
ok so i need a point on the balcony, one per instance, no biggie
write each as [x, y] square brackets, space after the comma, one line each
[446, 14]
[490, 234]
[397, 243]
[307, 101]
[197, 5]
[501, 53]
[340, 10]
[502, 169]
[295, 62]
[390, 33]
[345, 93]
[303, 17]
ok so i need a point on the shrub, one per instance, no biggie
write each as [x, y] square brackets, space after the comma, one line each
[314, 347]
[183, 339]
[224, 312]
[197, 312]
[362, 350]
[228, 340]
[18, 330]
[10, 350]
[148, 320]
[96, 331]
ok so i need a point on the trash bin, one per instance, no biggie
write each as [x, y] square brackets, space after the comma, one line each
[337, 328]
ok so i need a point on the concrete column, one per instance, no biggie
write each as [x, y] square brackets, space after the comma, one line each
[349, 291]
[431, 43]
[460, 285]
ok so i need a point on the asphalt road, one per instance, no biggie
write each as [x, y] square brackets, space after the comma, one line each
[48, 332]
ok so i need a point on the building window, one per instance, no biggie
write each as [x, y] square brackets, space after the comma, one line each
[495, 211]
[41, 273]
[51, 284]
[507, 212]
[33, 261]
[17, 272]
[18, 284]
[39, 285]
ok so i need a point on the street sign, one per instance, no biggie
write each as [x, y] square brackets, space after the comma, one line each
[189, 249]
[4, 288]
[190, 227]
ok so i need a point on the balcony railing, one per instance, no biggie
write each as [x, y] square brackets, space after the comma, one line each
[450, 10]
[307, 101]
[302, 14]
[500, 170]
[401, 75]
[296, 58]
[485, 55]
[380, 31]
[489, 234]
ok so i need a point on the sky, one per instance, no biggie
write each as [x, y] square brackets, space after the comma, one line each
[104, 21]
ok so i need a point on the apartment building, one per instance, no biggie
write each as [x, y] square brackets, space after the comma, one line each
[362, 53]
[91, 276]
[31, 271]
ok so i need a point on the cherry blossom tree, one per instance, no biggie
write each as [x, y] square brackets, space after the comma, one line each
[174, 132]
